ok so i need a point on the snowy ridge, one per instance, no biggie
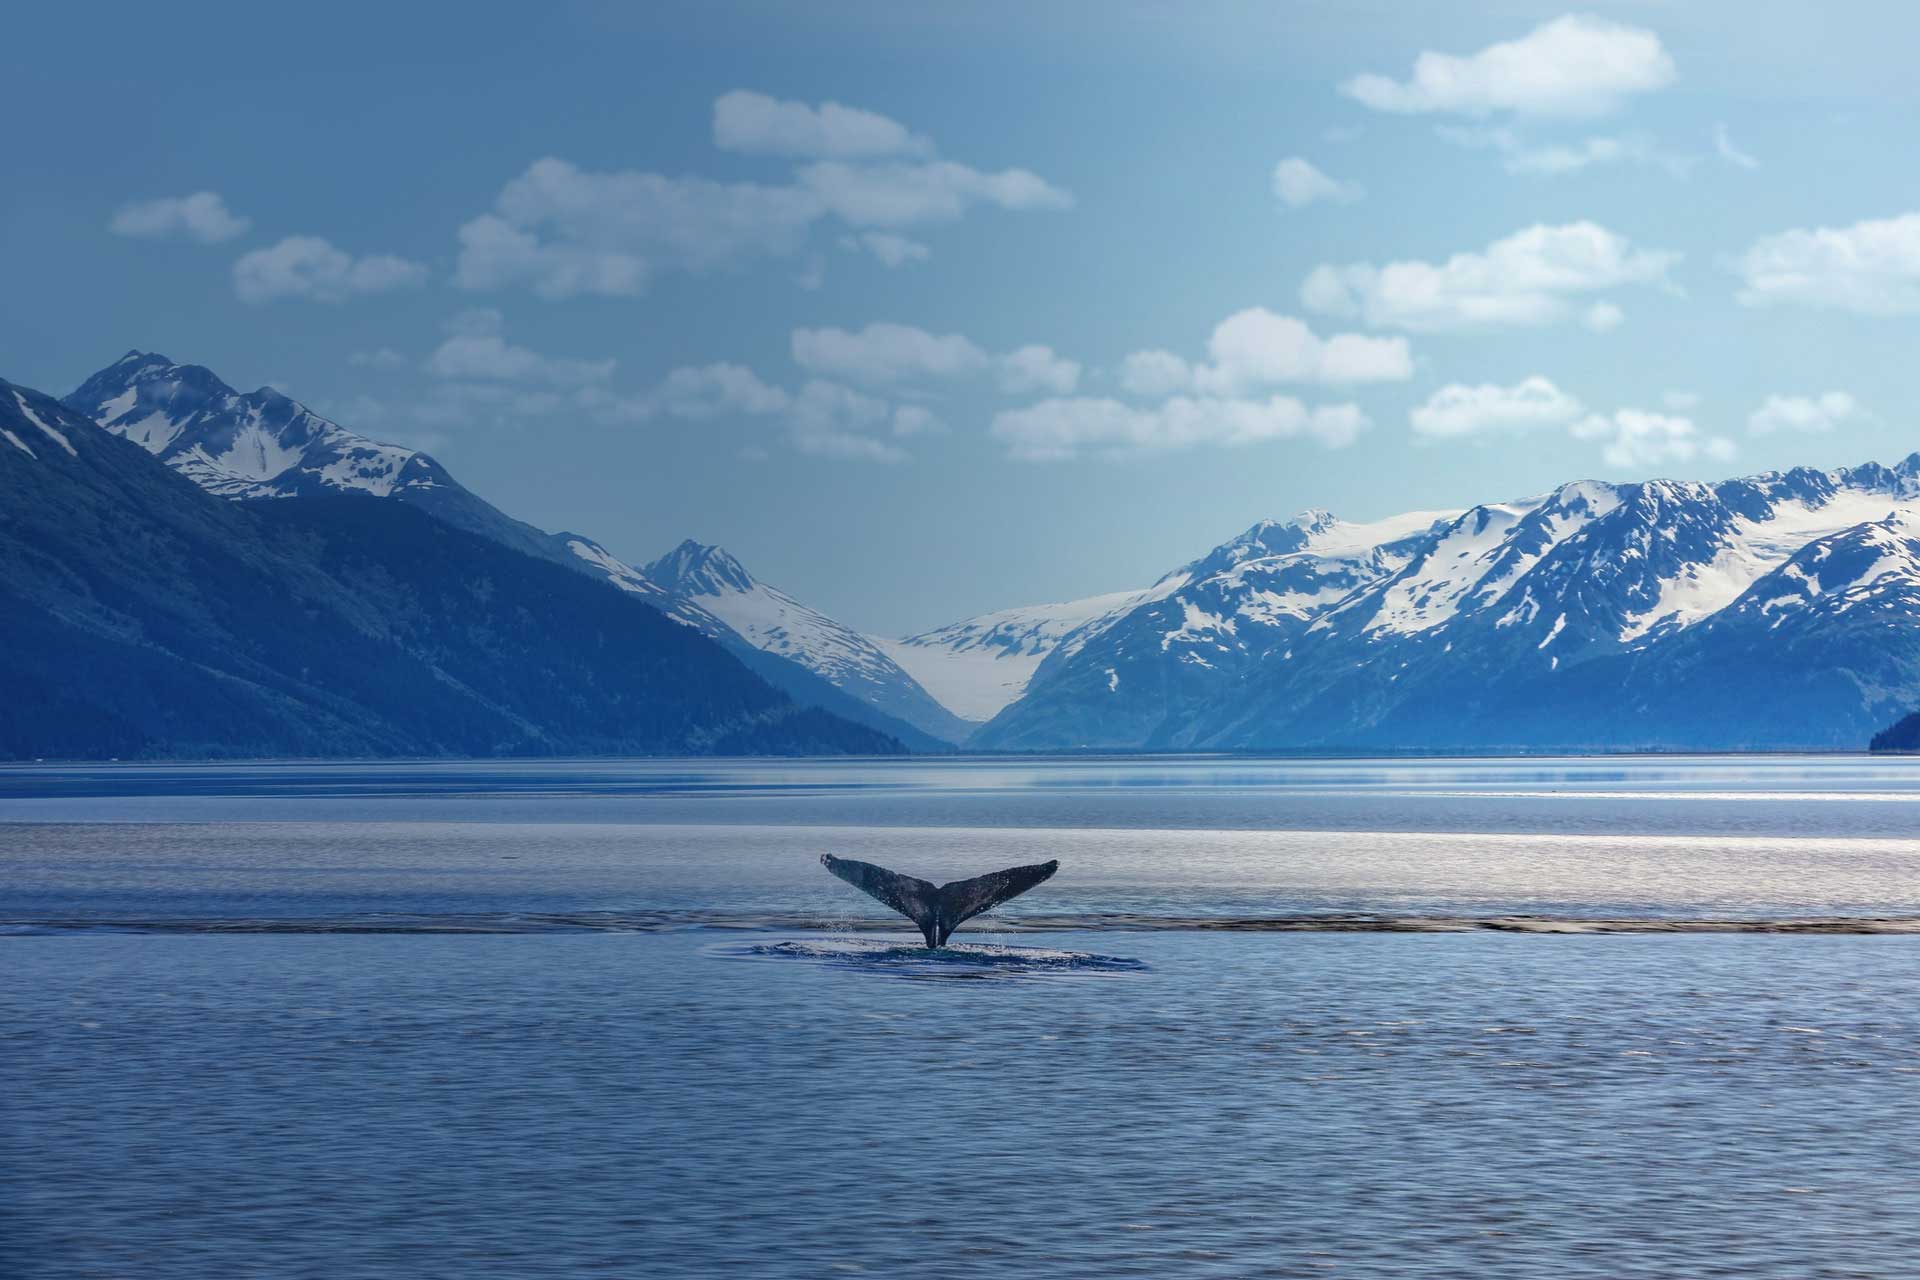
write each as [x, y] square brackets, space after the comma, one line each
[630, 580]
[1865, 565]
[260, 444]
[711, 580]
[1301, 630]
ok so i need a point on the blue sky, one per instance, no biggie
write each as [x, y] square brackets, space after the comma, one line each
[1049, 299]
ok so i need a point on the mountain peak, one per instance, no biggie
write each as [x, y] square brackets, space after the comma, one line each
[697, 568]
[145, 376]
[1314, 520]
[261, 444]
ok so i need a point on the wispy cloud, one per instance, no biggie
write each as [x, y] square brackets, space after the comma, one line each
[1258, 348]
[884, 354]
[756, 124]
[1297, 184]
[202, 216]
[1723, 146]
[1060, 429]
[478, 349]
[1633, 439]
[312, 268]
[1818, 414]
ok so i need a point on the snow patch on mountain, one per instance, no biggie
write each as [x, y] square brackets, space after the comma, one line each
[976, 666]
[27, 412]
[771, 620]
[1755, 547]
[1435, 625]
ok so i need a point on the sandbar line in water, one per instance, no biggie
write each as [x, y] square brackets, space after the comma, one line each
[725, 921]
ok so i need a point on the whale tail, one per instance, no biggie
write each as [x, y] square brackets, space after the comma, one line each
[938, 911]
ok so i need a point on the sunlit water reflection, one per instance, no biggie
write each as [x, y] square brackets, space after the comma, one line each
[508, 1021]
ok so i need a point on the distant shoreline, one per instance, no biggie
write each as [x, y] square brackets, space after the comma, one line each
[1090, 753]
[719, 922]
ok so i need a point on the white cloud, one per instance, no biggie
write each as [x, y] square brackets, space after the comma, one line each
[1630, 438]
[495, 254]
[886, 353]
[892, 250]
[1525, 279]
[1155, 374]
[1257, 348]
[1636, 438]
[706, 391]
[380, 358]
[1296, 184]
[1575, 65]
[563, 231]
[1805, 413]
[1723, 145]
[490, 357]
[1035, 368]
[759, 125]
[822, 418]
[462, 403]
[1459, 410]
[1057, 429]
[1555, 159]
[834, 421]
[310, 267]
[202, 216]
[695, 392]
[476, 322]
[916, 420]
[1603, 317]
[897, 195]
[1871, 267]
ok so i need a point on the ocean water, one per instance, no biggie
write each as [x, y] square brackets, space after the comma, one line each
[1580, 1017]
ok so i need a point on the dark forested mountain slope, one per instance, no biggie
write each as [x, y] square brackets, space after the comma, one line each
[261, 444]
[141, 616]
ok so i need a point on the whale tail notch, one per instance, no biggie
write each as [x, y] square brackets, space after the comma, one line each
[937, 912]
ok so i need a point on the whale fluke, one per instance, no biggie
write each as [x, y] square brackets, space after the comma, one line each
[938, 911]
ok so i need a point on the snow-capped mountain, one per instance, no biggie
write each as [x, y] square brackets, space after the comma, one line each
[261, 444]
[1549, 620]
[257, 445]
[769, 619]
[1777, 610]
[143, 617]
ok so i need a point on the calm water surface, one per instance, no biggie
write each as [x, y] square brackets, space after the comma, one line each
[669, 1045]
